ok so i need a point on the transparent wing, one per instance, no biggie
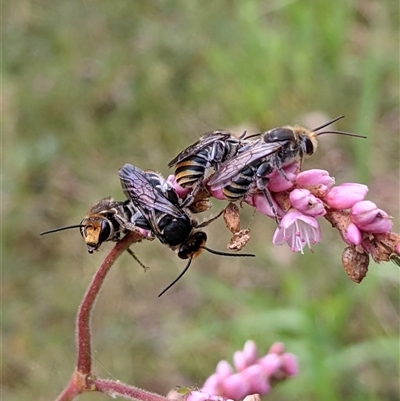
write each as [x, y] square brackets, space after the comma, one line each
[144, 195]
[251, 155]
[206, 140]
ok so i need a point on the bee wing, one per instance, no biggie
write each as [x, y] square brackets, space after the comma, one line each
[145, 196]
[205, 140]
[250, 155]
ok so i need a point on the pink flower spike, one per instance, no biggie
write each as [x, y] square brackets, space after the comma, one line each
[315, 177]
[345, 195]
[278, 182]
[353, 235]
[305, 202]
[180, 191]
[290, 364]
[298, 230]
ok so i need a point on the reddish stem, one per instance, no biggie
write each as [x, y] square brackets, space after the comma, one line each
[81, 381]
[114, 388]
[83, 335]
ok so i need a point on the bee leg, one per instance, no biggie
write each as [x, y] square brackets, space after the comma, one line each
[188, 200]
[145, 268]
[267, 194]
[262, 182]
[282, 173]
[207, 222]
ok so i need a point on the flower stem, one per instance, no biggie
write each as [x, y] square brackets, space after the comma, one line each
[82, 380]
[83, 335]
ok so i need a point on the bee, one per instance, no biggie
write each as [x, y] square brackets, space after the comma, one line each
[276, 148]
[170, 222]
[108, 220]
[210, 150]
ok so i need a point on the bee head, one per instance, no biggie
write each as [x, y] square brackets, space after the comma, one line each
[193, 246]
[95, 230]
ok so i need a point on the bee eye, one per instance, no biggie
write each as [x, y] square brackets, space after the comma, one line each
[309, 146]
[82, 229]
[105, 231]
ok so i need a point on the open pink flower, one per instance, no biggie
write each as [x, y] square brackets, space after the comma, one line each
[298, 230]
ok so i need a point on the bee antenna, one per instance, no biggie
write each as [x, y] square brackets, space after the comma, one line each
[54, 230]
[340, 133]
[243, 134]
[328, 123]
[250, 255]
[177, 279]
[250, 136]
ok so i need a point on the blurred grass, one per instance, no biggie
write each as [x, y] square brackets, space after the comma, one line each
[89, 86]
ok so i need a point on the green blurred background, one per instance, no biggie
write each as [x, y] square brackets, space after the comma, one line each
[89, 86]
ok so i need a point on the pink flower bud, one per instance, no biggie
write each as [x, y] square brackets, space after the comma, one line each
[260, 202]
[256, 381]
[223, 370]
[245, 358]
[381, 224]
[277, 348]
[235, 387]
[250, 350]
[369, 218]
[278, 182]
[270, 363]
[346, 195]
[305, 202]
[315, 177]
[239, 361]
[290, 364]
[211, 384]
[353, 235]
